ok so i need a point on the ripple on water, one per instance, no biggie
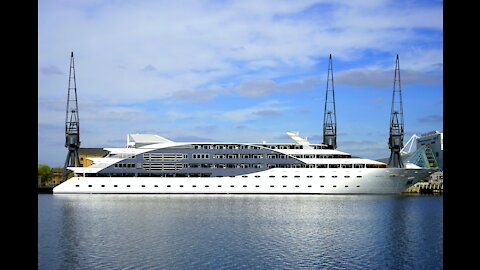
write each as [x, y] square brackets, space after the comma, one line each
[239, 232]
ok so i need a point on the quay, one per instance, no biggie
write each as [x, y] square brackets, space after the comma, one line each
[426, 188]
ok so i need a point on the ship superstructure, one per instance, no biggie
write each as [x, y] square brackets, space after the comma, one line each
[153, 164]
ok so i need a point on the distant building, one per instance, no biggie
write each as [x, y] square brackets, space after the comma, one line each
[434, 140]
[85, 153]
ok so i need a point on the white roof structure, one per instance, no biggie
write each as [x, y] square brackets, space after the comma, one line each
[138, 140]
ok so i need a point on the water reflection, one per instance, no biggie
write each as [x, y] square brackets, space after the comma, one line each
[240, 232]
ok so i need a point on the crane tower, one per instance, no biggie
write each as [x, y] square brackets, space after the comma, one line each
[395, 140]
[72, 122]
[329, 117]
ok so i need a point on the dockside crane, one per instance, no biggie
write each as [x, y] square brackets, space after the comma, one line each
[72, 122]
[395, 140]
[329, 116]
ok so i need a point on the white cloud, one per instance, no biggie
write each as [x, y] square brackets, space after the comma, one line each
[181, 46]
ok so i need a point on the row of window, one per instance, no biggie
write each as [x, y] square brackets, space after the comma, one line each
[164, 156]
[201, 175]
[178, 166]
[232, 186]
[175, 157]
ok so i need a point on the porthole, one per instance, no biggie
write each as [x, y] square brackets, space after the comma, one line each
[334, 186]
[272, 176]
[347, 176]
[309, 186]
[334, 176]
[181, 185]
[297, 186]
[232, 186]
[103, 185]
[284, 186]
[322, 186]
[128, 185]
[284, 176]
[244, 185]
[257, 176]
[156, 186]
[115, 185]
[272, 186]
[296, 176]
[219, 186]
[89, 185]
[168, 186]
[346, 186]
[244, 176]
[358, 186]
[194, 185]
[143, 185]
[257, 186]
[207, 186]
[359, 176]
[322, 176]
[77, 185]
[309, 176]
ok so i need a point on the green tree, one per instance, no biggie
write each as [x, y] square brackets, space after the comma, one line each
[44, 169]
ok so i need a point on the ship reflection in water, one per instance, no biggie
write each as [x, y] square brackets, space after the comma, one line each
[240, 232]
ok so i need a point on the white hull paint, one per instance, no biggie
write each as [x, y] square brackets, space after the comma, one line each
[290, 181]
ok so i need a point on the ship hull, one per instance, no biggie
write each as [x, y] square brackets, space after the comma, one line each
[274, 181]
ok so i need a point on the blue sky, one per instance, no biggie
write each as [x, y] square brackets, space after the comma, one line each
[246, 71]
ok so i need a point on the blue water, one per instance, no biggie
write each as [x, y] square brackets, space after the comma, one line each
[240, 232]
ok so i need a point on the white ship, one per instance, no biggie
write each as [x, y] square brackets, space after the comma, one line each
[151, 164]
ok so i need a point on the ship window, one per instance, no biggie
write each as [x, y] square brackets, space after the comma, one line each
[272, 186]
[322, 176]
[346, 186]
[297, 186]
[232, 186]
[284, 186]
[322, 186]
[257, 186]
[257, 176]
[219, 186]
[359, 165]
[272, 176]
[309, 185]
[346, 165]
[284, 176]
[181, 185]
[128, 185]
[115, 185]
[296, 176]
[89, 185]
[103, 185]
[143, 185]
[358, 186]
[77, 185]
[347, 176]
[334, 165]
[231, 176]
[168, 186]
[244, 176]
[309, 176]
[156, 186]
[334, 176]
[359, 176]
[334, 186]
[244, 186]
[207, 186]
[194, 186]
[321, 165]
